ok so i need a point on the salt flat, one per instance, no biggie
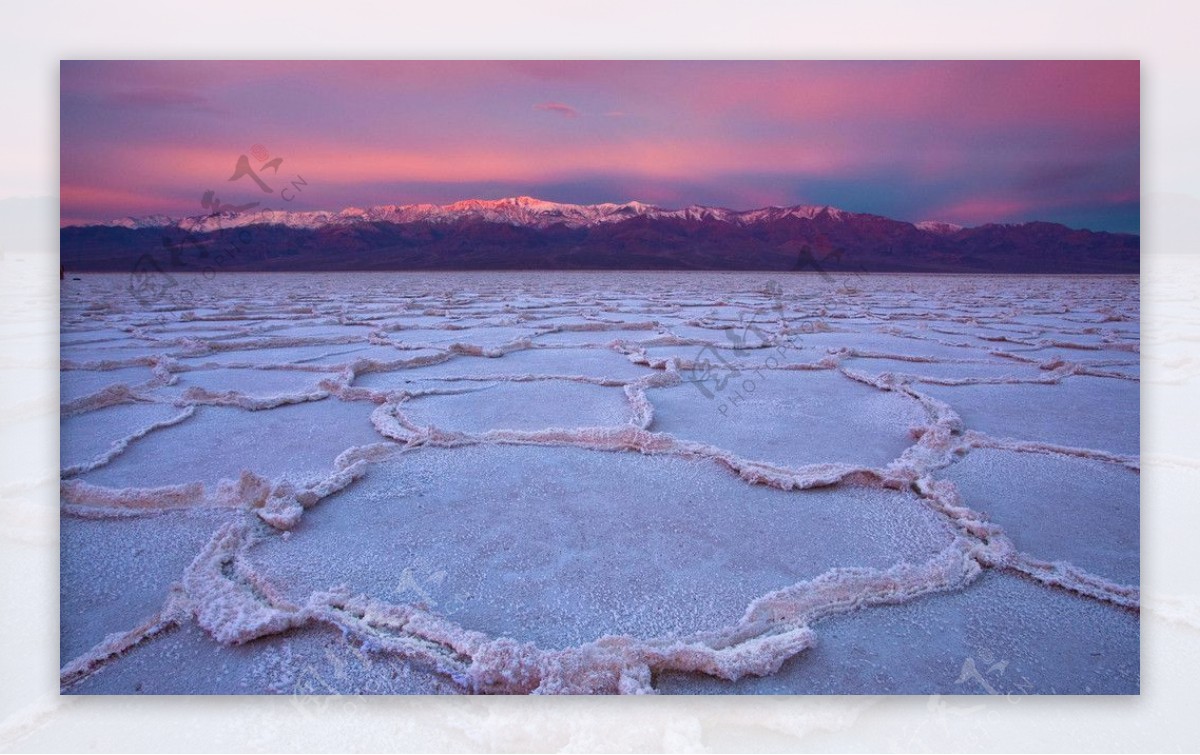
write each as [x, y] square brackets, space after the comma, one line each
[601, 482]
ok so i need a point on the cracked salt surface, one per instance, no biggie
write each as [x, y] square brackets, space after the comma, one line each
[793, 418]
[1081, 412]
[597, 363]
[682, 546]
[296, 440]
[996, 369]
[1042, 513]
[76, 384]
[407, 483]
[116, 572]
[597, 338]
[1004, 636]
[313, 662]
[84, 437]
[522, 406]
[250, 382]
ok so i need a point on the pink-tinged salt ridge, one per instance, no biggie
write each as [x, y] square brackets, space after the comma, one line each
[193, 349]
[227, 599]
[866, 354]
[666, 339]
[198, 365]
[943, 496]
[643, 410]
[775, 353]
[163, 372]
[82, 496]
[104, 365]
[198, 347]
[941, 412]
[285, 504]
[114, 645]
[280, 503]
[601, 327]
[118, 393]
[199, 395]
[936, 447]
[342, 385]
[996, 550]
[1071, 577]
[118, 446]
[843, 590]
[976, 439]
[391, 423]
[1132, 348]
[1081, 369]
[366, 365]
[1052, 378]
[495, 352]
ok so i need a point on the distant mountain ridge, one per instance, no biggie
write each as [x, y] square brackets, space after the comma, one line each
[528, 233]
[522, 211]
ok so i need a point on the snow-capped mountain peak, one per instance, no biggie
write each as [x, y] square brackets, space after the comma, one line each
[524, 211]
[938, 226]
[518, 211]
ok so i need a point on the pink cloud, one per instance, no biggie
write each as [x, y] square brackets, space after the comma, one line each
[109, 202]
[973, 210]
[959, 93]
[346, 164]
[997, 208]
[557, 107]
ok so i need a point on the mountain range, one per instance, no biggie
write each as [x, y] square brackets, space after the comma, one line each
[525, 233]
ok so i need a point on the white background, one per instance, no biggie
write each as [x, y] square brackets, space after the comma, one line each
[35, 35]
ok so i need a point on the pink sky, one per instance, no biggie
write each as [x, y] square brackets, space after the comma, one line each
[966, 142]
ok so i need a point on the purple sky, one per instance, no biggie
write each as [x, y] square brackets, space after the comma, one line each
[966, 142]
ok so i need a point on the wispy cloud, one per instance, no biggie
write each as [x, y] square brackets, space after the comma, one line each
[557, 107]
[158, 97]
